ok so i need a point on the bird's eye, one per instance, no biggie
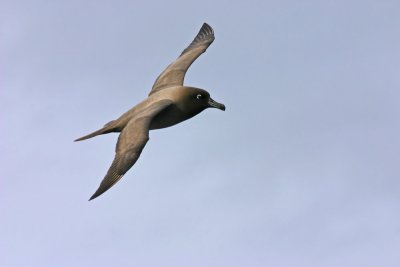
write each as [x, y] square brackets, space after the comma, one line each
[199, 96]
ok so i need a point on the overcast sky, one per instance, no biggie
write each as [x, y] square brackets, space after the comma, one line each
[302, 169]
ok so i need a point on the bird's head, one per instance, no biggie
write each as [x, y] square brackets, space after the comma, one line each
[197, 99]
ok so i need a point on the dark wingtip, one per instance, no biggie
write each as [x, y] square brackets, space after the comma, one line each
[96, 194]
[91, 198]
[207, 27]
[205, 30]
[204, 36]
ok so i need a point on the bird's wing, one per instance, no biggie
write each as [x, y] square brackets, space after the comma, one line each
[174, 74]
[130, 144]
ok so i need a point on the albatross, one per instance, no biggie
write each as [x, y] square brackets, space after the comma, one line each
[168, 103]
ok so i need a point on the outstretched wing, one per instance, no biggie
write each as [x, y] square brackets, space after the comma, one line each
[130, 144]
[174, 74]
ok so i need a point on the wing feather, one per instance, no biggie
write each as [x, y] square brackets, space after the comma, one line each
[174, 74]
[130, 144]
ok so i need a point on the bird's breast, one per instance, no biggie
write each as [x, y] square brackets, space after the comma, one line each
[169, 117]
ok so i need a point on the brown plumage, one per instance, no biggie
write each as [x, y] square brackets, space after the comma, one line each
[169, 103]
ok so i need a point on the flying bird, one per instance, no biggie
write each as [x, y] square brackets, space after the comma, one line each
[168, 103]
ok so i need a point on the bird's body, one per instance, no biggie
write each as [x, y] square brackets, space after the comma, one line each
[168, 103]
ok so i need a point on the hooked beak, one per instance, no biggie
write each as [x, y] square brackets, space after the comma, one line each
[215, 104]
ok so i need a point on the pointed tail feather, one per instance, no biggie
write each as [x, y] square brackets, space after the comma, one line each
[98, 132]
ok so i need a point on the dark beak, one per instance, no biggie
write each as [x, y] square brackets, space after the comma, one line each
[215, 104]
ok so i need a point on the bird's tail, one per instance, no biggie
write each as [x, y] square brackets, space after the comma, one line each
[106, 129]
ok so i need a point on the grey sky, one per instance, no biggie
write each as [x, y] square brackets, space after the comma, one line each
[301, 170]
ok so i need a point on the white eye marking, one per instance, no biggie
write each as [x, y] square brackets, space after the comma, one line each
[199, 96]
